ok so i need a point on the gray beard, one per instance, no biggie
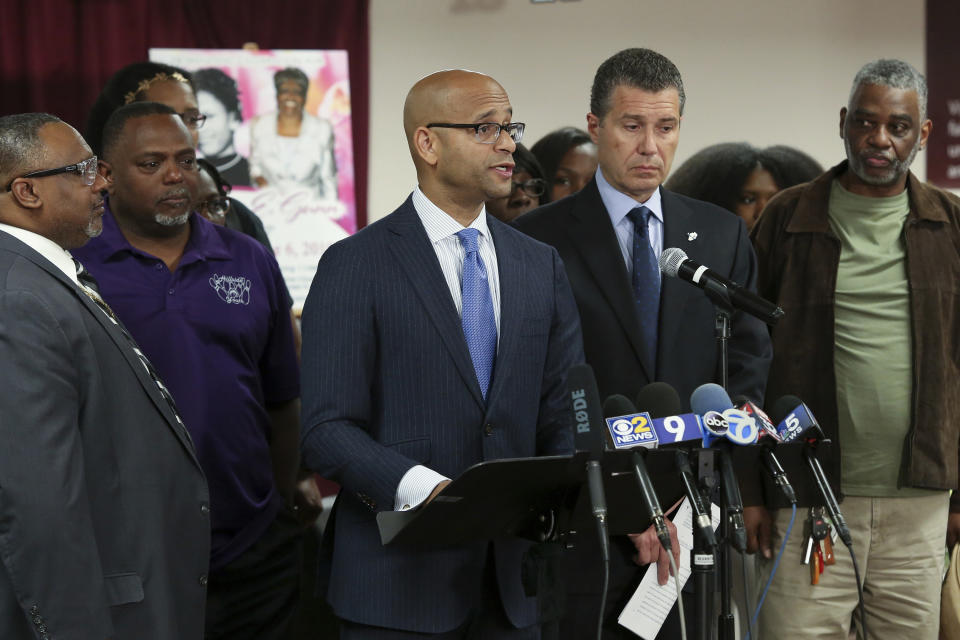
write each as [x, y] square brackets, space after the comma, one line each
[896, 171]
[168, 221]
[93, 228]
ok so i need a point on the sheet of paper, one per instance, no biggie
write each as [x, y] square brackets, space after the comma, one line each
[650, 603]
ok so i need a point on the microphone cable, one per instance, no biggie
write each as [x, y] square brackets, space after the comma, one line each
[605, 552]
[773, 572]
[599, 505]
[747, 606]
[856, 575]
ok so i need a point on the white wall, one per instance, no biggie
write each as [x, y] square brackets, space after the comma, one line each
[760, 71]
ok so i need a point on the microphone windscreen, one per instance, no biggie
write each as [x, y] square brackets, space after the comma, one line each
[670, 261]
[587, 410]
[782, 408]
[709, 397]
[617, 405]
[659, 399]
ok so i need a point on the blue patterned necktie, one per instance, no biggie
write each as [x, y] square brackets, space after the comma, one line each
[646, 283]
[479, 325]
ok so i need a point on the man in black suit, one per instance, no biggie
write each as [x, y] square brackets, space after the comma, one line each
[637, 327]
[104, 516]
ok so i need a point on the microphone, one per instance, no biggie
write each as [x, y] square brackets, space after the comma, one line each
[769, 438]
[742, 430]
[621, 405]
[701, 516]
[766, 426]
[661, 401]
[588, 436]
[626, 427]
[675, 263]
[663, 398]
[796, 421]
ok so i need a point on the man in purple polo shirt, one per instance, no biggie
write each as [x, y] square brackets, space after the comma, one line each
[210, 309]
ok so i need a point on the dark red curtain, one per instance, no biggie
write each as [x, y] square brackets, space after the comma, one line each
[943, 83]
[56, 55]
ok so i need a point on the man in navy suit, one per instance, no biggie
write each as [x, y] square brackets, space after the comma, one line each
[637, 327]
[435, 339]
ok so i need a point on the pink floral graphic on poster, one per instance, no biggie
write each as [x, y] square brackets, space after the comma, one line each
[299, 181]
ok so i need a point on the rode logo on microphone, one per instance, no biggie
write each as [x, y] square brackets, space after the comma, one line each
[580, 410]
[631, 431]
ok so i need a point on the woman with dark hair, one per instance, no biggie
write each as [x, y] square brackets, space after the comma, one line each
[527, 190]
[291, 148]
[219, 99]
[145, 82]
[789, 166]
[741, 178]
[569, 160]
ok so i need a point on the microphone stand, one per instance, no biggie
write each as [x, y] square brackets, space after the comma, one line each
[723, 309]
[703, 556]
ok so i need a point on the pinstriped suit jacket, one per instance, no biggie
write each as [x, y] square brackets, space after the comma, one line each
[388, 383]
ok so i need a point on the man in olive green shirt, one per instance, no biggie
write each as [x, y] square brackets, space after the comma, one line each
[864, 262]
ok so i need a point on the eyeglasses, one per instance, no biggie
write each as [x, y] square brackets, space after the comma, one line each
[217, 207]
[487, 132]
[193, 120]
[87, 170]
[533, 187]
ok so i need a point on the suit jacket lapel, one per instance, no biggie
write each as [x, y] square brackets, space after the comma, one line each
[678, 222]
[132, 359]
[418, 260]
[592, 234]
[510, 267]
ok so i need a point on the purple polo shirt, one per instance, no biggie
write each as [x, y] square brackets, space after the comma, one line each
[218, 331]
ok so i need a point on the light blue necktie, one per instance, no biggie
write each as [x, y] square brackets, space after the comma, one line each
[646, 283]
[479, 325]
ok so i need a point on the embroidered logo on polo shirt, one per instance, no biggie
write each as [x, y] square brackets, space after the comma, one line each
[231, 289]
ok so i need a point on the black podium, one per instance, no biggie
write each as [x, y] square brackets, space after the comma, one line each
[545, 500]
[518, 497]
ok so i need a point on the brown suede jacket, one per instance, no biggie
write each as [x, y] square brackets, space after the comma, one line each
[798, 259]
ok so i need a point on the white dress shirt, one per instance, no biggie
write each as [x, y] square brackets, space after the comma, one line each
[45, 247]
[419, 481]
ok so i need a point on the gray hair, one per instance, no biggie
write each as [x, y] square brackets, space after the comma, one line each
[638, 68]
[896, 74]
[21, 149]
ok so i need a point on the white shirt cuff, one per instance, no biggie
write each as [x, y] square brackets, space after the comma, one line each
[415, 487]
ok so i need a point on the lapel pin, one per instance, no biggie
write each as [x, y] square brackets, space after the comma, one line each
[691, 236]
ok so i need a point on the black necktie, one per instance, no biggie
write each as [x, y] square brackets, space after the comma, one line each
[645, 280]
[88, 284]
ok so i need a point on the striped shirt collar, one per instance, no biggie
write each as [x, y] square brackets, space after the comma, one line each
[439, 224]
